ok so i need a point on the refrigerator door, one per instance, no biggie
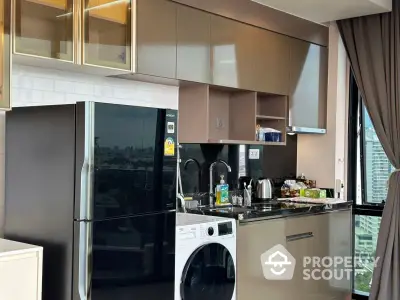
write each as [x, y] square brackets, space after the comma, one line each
[84, 170]
[133, 258]
[84, 161]
[134, 157]
[82, 260]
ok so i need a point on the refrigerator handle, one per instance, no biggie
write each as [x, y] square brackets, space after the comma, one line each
[86, 203]
[85, 255]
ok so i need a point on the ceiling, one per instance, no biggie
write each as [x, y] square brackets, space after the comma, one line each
[321, 11]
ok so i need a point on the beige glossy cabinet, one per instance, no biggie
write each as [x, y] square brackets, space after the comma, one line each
[247, 57]
[107, 33]
[253, 239]
[224, 57]
[308, 84]
[156, 38]
[44, 28]
[193, 45]
[5, 57]
[211, 114]
[320, 236]
[271, 61]
[308, 237]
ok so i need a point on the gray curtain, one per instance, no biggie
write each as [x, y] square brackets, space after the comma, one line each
[373, 45]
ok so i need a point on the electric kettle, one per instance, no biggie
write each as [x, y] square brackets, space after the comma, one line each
[264, 189]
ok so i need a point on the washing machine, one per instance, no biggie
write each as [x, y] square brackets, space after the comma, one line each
[205, 258]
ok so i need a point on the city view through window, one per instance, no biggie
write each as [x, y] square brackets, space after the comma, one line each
[377, 169]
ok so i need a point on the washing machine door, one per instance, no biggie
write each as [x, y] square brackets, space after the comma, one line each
[209, 274]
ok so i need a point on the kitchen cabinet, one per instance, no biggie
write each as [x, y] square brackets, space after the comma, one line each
[308, 84]
[44, 28]
[193, 45]
[253, 239]
[107, 33]
[156, 38]
[108, 37]
[220, 115]
[307, 236]
[5, 57]
[225, 71]
[271, 62]
[247, 57]
[20, 271]
[320, 236]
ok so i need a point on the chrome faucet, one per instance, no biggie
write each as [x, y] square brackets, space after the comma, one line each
[211, 192]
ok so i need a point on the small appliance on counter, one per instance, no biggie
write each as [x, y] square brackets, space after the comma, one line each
[263, 189]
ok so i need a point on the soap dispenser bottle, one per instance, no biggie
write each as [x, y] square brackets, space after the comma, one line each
[222, 193]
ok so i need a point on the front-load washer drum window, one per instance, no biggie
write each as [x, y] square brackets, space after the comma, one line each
[209, 274]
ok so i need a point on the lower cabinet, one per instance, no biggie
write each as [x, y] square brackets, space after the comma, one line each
[318, 243]
[314, 242]
[254, 239]
[20, 271]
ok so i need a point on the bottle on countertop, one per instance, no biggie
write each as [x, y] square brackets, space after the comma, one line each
[222, 193]
[247, 195]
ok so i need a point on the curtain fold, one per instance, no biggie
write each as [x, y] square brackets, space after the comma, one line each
[373, 44]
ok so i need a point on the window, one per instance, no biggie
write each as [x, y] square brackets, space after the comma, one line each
[368, 172]
[376, 167]
[365, 238]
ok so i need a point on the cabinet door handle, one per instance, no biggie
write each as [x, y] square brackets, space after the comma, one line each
[300, 236]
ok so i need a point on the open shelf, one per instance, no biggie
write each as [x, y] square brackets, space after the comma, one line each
[271, 105]
[216, 115]
[245, 142]
[272, 113]
[260, 117]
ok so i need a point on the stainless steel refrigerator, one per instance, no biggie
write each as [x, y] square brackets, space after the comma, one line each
[95, 185]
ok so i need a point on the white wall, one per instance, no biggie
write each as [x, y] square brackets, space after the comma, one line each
[39, 86]
[322, 157]
[32, 86]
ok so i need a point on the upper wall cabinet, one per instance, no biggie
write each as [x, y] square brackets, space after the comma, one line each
[271, 62]
[193, 45]
[120, 37]
[5, 57]
[248, 57]
[107, 33]
[308, 85]
[224, 43]
[156, 38]
[44, 28]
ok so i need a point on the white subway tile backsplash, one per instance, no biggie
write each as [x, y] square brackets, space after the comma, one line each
[62, 86]
[83, 88]
[43, 84]
[33, 86]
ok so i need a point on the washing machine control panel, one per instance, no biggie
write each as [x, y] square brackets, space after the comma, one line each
[225, 228]
[211, 230]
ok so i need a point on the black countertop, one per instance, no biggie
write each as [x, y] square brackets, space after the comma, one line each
[270, 210]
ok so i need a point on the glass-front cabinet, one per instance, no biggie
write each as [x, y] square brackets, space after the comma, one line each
[5, 57]
[107, 33]
[90, 32]
[44, 28]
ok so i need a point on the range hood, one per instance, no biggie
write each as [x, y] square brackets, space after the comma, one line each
[321, 11]
[304, 130]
